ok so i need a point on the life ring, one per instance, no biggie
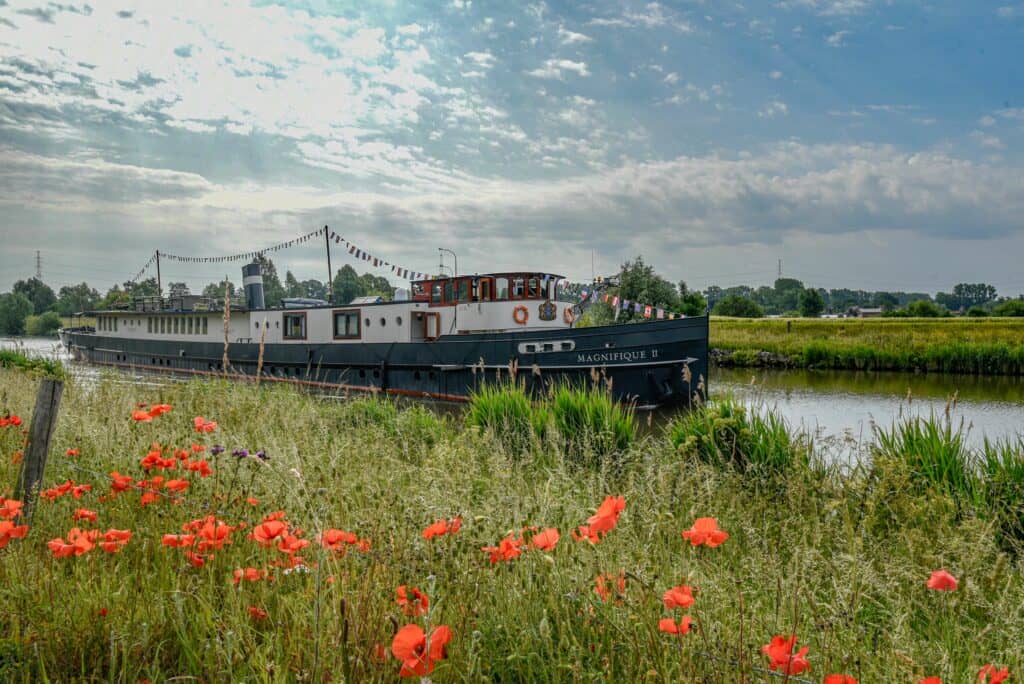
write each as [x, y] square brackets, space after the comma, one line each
[569, 316]
[520, 315]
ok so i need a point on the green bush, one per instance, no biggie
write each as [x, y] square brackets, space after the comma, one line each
[937, 455]
[977, 312]
[506, 411]
[1011, 307]
[592, 425]
[43, 325]
[1002, 468]
[739, 307]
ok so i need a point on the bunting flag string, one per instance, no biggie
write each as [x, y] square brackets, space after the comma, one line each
[363, 255]
[620, 304]
[142, 271]
[245, 255]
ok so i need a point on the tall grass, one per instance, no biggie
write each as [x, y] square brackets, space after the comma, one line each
[593, 426]
[508, 413]
[10, 358]
[992, 346]
[1002, 468]
[935, 452]
[801, 559]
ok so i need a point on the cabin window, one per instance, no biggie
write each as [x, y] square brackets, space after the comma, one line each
[162, 325]
[346, 325]
[518, 288]
[174, 325]
[533, 291]
[257, 324]
[435, 293]
[294, 326]
[398, 321]
[548, 347]
[463, 290]
[501, 288]
[483, 290]
[204, 326]
[449, 291]
[190, 324]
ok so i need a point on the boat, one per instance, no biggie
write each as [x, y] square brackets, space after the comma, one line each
[441, 338]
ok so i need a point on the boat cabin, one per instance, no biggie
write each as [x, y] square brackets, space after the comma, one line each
[494, 287]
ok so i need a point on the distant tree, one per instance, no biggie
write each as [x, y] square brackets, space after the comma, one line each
[887, 301]
[43, 325]
[74, 298]
[178, 290]
[142, 288]
[346, 285]
[313, 288]
[639, 283]
[973, 294]
[273, 290]
[37, 292]
[1011, 307]
[923, 308]
[14, 309]
[691, 302]
[216, 290]
[811, 303]
[977, 312]
[741, 307]
[292, 287]
[787, 294]
[713, 294]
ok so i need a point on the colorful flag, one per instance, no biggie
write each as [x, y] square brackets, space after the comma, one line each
[661, 313]
[647, 311]
[615, 301]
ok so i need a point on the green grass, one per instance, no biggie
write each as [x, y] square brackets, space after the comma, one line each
[840, 559]
[34, 364]
[991, 346]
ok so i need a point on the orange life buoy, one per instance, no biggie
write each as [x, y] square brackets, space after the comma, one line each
[569, 316]
[520, 315]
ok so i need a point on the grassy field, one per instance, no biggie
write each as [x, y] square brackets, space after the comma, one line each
[960, 345]
[840, 559]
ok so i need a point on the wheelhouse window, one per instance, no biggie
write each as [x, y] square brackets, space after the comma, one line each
[449, 291]
[435, 293]
[204, 325]
[533, 288]
[501, 288]
[190, 324]
[518, 288]
[346, 325]
[462, 291]
[163, 325]
[294, 326]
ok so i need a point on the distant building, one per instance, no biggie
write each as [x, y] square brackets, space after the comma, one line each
[863, 312]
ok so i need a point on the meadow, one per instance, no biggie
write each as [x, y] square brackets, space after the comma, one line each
[322, 509]
[991, 346]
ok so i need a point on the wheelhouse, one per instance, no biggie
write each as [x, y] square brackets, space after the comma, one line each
[491, 287]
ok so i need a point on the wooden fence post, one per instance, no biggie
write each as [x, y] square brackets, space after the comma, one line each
[44, 420]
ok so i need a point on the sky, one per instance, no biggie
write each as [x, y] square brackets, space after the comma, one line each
[874, 144]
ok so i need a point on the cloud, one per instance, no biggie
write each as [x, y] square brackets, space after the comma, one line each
[775, 75]
[773, 109]
[484, 60]
[652, 15]
[986, 121]
[828, 7]
[837, 39]
[572, 38]
[556, 68]
[989, 141]
[409, 30]
[671, 78]
[1010, 11]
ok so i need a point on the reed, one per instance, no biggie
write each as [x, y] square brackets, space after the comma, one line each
[1002, 468]
[935, 452]
[593, 427]
[505, 410]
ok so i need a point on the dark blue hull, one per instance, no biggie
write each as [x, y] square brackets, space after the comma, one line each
[650, 364]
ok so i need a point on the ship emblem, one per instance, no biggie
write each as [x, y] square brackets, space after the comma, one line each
[547, 311]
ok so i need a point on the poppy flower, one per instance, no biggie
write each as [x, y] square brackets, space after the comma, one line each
[120, 483]
[248, 575]
[113, 535]
[507, 549]
[177, 485]
[607, 516]
[780, 653]
[678, 597]
[988, 674]
[669, 626]
[159, 409]
[79, 542]
[213, 533]
[705, 531]
[252, 500]
[265, 533]
[78, 490]
[276, 515]
[417, 653]
[201, 425]
[201, 467]
[291, 544]
[178, 540]
[931, 680]
[443, 527]
[149, 498]
[10, 508]
[583, 532]
[257, 613]
[604, 585]
[84, 514]
[545, 540]
[9, 531]
[942, 581]
[379, 653]
[412, 601]
[198, 560]
[141, 416]
[839, 679]
[72, 452]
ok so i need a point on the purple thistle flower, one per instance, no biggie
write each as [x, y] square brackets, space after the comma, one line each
[262, 455]
[240, 453]
[216, 449]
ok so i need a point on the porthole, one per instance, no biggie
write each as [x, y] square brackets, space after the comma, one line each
[398, 320]
[257, 324]
[362, 373]
[383, 321]
[367, 322]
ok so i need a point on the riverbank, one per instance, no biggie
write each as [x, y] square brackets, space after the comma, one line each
[839, 558]
[989, 346]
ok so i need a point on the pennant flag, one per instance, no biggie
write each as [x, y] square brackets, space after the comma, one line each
[636, 307]
[352, 249]
[647, 311]
[661, 313]
[615, 301]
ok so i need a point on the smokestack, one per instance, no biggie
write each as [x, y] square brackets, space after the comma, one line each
[252, 279]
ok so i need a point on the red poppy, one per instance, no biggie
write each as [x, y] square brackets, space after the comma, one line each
[443, 527]
[988, 674]
[930, 680]
[201, 467]
[669, 626]
[379, 653]
[72, 452]
[412, 601]
[10, 508]
[178, 540]
[291, 544]
[417, 653]
[177, 485]
[84, 514]
[200, 424]
[78, 490]
[248, 575]
[159, 409]
[257, 613]
[942, 581]
[198, 448]
[583, 532]
[545, 540]
[148, 498]
[780, 653]
[705, 531]
[607, 515]
[605, 584]
[120, 482]
[678, 597]
[839, 679]
[9, 531]
[265, 533]
[79, 542]
[141, 416]
[214, 533]
[507, 549]
[196, 559]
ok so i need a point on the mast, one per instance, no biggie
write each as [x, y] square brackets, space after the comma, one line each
[159, 283]
[330, 271]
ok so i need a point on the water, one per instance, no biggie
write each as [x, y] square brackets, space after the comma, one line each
[837, 407]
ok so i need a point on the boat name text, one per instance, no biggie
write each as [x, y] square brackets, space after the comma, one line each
[627, 356]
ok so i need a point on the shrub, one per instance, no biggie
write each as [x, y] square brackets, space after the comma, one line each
[1011, 307]
[43, 325]
[923, 308]
[506, 411]
[977, 312]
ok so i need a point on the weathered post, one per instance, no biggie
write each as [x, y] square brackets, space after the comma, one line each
[44, 420]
